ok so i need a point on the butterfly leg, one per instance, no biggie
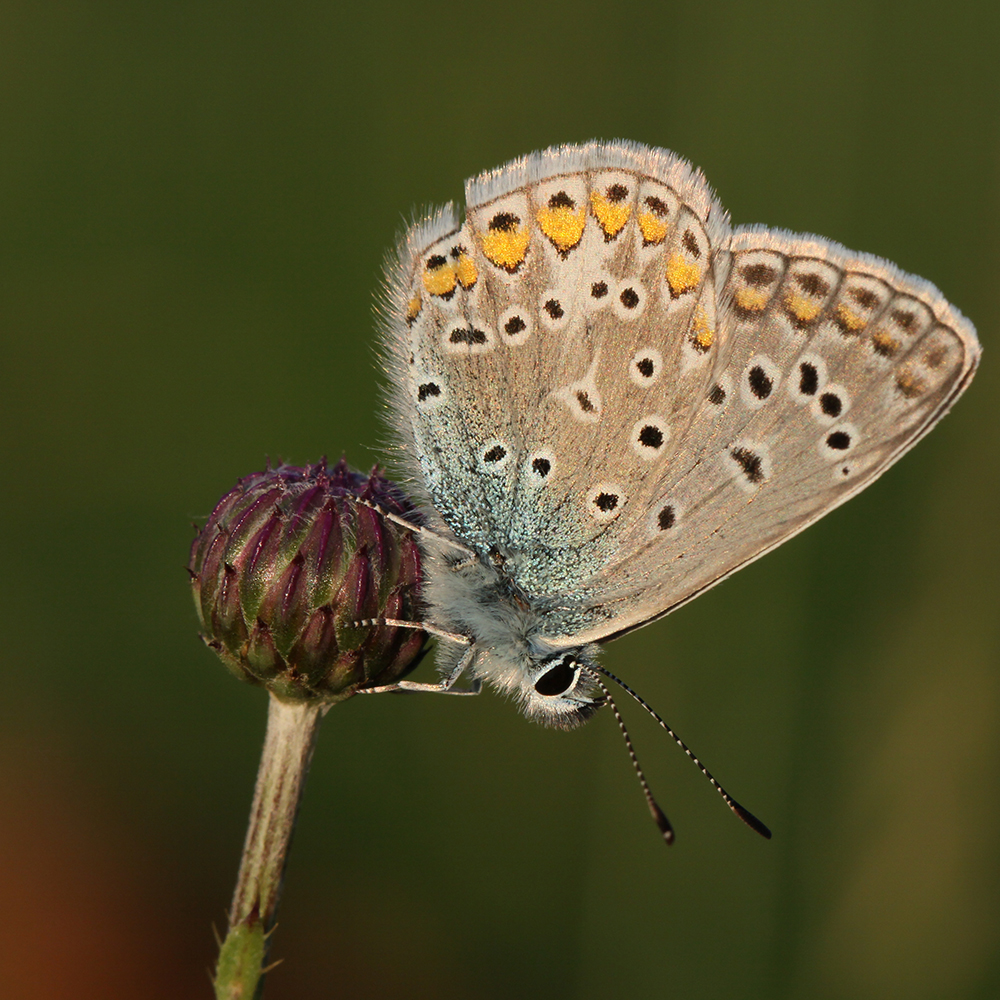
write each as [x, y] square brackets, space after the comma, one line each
[447, 684]
[418, 529]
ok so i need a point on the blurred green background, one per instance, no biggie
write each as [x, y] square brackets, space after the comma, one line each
[194, 203]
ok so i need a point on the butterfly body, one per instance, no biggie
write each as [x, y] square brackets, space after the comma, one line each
[613, 400]
[511, 648]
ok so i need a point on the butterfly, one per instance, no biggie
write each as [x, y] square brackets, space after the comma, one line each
[606, 400]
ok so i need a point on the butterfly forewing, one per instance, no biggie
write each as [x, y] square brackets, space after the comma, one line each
[836, 366]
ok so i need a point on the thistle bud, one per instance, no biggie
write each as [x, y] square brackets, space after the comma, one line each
[289, 561]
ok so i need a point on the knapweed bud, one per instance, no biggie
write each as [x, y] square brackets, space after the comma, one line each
[289, 561]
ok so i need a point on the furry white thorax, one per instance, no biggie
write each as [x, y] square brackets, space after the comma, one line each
[482, 601]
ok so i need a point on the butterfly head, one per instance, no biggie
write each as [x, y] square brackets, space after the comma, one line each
[561, 690]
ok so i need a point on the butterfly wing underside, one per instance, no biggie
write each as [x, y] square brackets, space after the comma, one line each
[594, 374]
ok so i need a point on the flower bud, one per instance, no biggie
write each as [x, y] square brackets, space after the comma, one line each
[289, 561]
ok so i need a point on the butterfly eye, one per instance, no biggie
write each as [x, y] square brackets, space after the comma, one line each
[558, 680]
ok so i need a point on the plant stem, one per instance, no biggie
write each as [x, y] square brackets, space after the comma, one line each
[284, 762]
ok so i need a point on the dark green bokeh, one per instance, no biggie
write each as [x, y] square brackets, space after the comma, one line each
[194, 203]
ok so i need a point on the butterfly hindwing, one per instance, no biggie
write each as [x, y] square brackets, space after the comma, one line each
[571, 317]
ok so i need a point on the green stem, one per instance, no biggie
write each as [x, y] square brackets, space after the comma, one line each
[284, 762]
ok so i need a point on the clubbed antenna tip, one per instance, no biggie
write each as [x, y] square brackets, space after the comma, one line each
[659, 818]
[750, 820]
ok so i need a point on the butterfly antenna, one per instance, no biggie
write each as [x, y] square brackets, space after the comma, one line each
[744, 814]
[659, 816]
